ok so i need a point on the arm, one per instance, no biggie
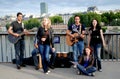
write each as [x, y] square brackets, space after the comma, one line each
[40, 35]
[36, 42]
[10, 31]
[52, 38]
[89, 38]
[68, 32]
[82, 27]
[80, 59]
[82, 35]
[102, 37]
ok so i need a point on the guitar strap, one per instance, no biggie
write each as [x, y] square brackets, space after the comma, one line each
[80, 29]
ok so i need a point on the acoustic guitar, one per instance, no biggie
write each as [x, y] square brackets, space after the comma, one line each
[13, 39]
[70, 40]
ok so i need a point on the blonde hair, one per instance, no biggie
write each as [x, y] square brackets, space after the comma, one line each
[49, 22]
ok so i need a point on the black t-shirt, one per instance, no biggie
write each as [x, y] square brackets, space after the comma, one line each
[95, 36]
[18, 27]
[75, 29]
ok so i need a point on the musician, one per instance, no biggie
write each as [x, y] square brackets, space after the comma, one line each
[78, 28]
[45, 37]
[85, 63]
[96, 40]
[15, 29]
[36, 51]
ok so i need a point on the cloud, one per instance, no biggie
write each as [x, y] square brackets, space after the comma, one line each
[55, 6]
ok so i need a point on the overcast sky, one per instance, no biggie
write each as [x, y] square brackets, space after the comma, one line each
[54, 6]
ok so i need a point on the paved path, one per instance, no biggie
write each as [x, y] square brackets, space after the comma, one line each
[111, 70]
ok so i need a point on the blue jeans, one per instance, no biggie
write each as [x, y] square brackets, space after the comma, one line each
[86, 71]
[44, 51]
[77, 50]
[97, 55]
[34, 55]
[19, 51]
[36, 51]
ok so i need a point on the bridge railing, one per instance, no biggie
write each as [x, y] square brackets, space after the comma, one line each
[7, 52]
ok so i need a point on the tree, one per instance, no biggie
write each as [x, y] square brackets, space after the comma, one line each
[85, 18]
[33, 22]
[117, 15]
[110, 16]
[90, 16]
[56, 19]
[7, 25]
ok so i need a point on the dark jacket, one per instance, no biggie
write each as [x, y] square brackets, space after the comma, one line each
[41, 33]
[90, 62]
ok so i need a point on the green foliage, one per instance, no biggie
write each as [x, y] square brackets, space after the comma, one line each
[115, 22]
[108, 17]
[33, 22]
[7, 25]
[56, 19]
[117, 15]
[104, 28]
[71, 21]
[90, 16]
[85, 18]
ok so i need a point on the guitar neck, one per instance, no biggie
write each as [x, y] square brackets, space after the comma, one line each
[21, 33]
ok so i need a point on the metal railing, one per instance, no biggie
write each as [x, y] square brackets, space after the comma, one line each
[7, 52]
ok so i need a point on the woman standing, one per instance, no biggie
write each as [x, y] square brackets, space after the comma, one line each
[96, 40]
[44, 35]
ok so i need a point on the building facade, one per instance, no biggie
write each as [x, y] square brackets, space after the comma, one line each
[43, 8]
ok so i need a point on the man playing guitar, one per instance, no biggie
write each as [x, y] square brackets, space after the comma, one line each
[15, 29]
[75, 33]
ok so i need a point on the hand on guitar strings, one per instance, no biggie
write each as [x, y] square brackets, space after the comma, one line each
[16, 35]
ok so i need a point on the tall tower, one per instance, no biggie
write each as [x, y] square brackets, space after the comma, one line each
[43, 8]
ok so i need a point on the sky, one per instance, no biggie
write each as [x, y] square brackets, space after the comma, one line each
[32, 7]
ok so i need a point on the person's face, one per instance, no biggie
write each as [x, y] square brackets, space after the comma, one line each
[19, 17]
[45, 22]
[77, 20]
[94, 22]
[87, 50]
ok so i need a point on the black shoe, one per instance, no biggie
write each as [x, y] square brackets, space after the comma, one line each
[23, 65]
[52, 67]
[36, 68]
[18, 67]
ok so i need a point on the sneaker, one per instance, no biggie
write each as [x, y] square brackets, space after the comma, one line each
[48, 71]
[78, 72]
[100, 70]
[74, 66]
[92, 74]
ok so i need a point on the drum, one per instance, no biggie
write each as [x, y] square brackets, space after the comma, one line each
[58, 54]
[64, 54]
